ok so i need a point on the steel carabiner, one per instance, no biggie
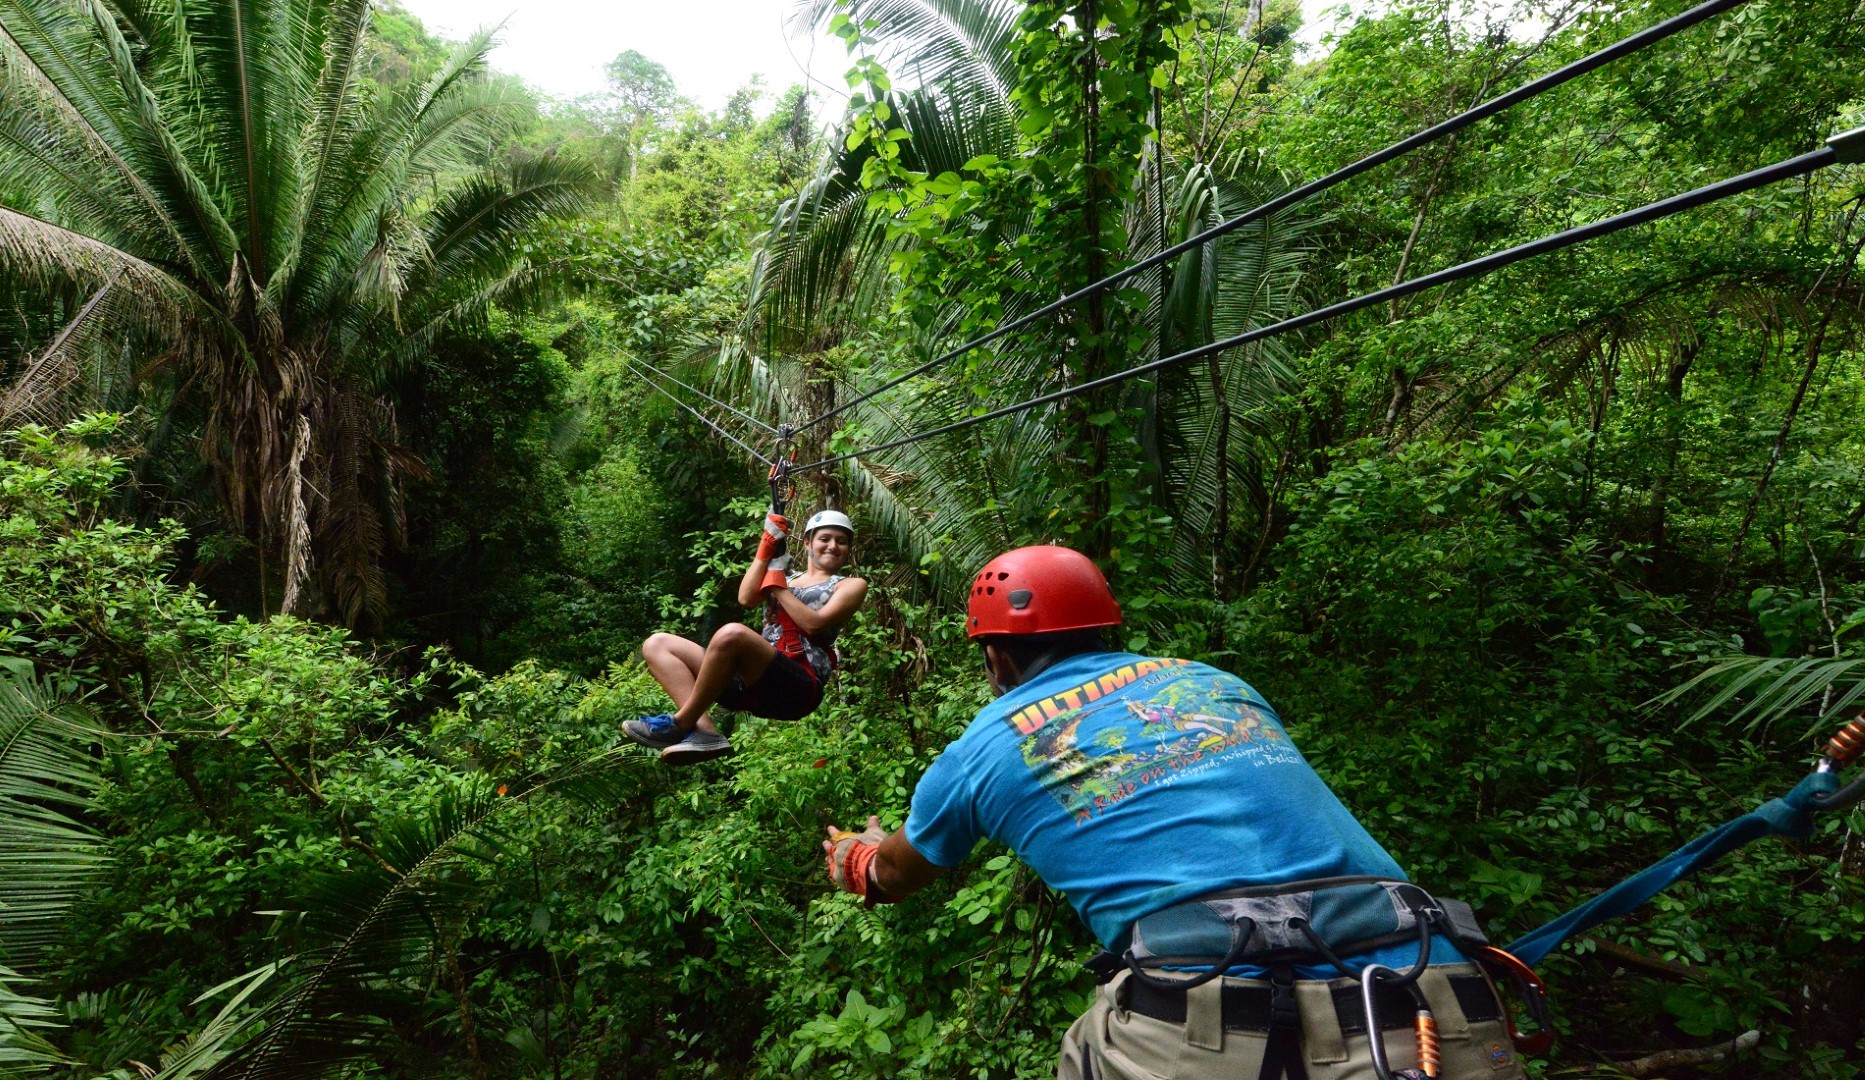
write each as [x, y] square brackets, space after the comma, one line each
[1845, 747]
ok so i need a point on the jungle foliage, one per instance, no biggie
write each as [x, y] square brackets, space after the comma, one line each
[336, 495]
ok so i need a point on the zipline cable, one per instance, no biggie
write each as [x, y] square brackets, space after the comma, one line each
[740, 413]
[1582, 66]
[707, 420]
[1848, 148]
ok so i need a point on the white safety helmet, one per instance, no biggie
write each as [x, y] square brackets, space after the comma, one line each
[829, 517]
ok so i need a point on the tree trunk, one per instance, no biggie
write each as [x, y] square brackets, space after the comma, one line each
[1100, 497]
[1673, 444]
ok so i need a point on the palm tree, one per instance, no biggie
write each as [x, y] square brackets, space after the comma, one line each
[269, 235]
[822, 276]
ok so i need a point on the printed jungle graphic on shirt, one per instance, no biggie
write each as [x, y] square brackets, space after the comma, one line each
[1152, 722]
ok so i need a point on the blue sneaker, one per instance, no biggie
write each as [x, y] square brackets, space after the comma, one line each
[654, 732]
[697, 747]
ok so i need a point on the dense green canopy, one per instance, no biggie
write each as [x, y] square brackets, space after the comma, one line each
[334, 506]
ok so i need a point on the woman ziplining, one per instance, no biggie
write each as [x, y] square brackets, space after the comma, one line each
[778, 674]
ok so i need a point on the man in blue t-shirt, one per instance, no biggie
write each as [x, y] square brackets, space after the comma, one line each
[1142, 788]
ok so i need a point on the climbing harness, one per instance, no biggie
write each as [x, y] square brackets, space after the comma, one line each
[1319, 921]
[1331, 920]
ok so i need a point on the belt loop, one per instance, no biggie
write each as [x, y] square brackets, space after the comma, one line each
[1114, 991]
[1436, 984]
[1321, 1033]
[1204, 1015]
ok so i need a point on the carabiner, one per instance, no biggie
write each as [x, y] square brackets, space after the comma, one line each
[1529, 990]
[1845, 747]
[782, 487]
[1424, 1029]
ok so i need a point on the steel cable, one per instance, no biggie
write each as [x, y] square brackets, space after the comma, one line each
[740, 413]
[1582, 66]
[707, 420]
[1849, 147]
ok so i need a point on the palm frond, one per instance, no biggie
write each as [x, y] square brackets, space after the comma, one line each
[46, 256]
[202, 1050]
[24, 1052]
[1768, 690]
[45, 379]
[46, 776]
[53, 61]
[933, 42]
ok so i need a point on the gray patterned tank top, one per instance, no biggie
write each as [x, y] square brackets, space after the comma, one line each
[818, 651]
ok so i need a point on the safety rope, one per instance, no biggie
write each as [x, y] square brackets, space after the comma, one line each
[707, 420]
[1790, 815]
[1500, 103]
[1848, 148]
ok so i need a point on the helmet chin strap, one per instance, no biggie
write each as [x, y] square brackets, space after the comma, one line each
[1019, 676]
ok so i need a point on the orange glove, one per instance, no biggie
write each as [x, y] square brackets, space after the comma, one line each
[849, 856]
[777, 576]
[771, 541]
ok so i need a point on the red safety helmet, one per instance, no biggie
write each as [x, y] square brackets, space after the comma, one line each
[1039, 590]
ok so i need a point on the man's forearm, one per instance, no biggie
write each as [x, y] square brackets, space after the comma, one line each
[899, 870]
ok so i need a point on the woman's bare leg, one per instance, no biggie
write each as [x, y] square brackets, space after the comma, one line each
[674, 662]
[737, 651]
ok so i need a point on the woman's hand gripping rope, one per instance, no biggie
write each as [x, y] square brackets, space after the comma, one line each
[771, 549]
[849, 859]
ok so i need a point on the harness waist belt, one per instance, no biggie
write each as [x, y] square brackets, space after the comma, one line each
[1352, 914]
[1247, 1008]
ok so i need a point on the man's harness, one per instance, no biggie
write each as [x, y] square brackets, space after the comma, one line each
[1322, 920]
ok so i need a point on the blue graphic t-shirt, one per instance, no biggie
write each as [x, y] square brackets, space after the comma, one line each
[1132, 784]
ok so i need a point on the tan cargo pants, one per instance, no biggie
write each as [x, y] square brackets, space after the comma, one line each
[1110, 1043]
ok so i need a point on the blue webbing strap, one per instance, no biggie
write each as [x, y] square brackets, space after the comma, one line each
[1790, 815]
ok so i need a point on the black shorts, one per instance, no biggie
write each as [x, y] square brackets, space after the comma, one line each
[788, 691]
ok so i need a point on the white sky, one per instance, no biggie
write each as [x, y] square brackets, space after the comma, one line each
[710, 47]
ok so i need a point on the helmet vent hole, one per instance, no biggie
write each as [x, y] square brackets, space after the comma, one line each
[990, 590]
[1001, 576]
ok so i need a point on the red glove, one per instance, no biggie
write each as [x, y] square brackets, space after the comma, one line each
[848, 858]
[771, 541]
[777, 577]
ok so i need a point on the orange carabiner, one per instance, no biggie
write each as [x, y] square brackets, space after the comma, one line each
[1845, 747]
[1531, 992]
